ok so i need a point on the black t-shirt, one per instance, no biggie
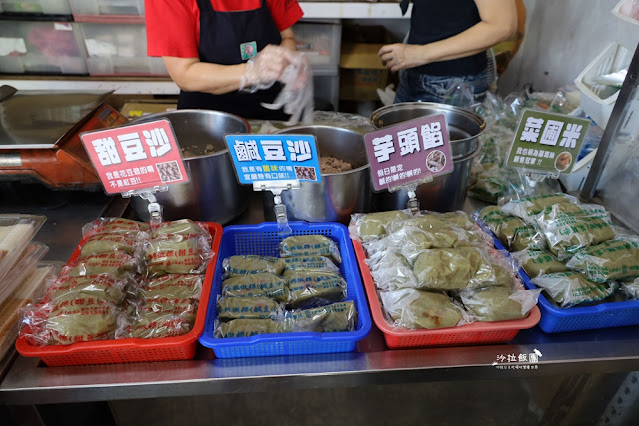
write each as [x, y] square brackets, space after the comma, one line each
[434, 20]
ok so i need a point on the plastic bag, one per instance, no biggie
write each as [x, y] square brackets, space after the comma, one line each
[118, 264]
[310, 245]
[453, 269]
[252, 264]
[229, 308]
[310, 289]
[537, 262]
[612, 260]
[104, 243]
[391, 271]
[246, 328]
[411, 308]
[511, 231]
[572, 288]
[113, 225]
[527, 208]
[184, 227]
[260, 284]
[499, 303]
[336, 317]
[172, 286]
[309, 263]
[371, 226]
[630, 289]
[103, 286]
[176, 254]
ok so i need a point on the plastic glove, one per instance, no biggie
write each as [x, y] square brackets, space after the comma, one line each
[297, 94]
[265, 68]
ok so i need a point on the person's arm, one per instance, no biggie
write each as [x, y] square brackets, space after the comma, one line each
[498, 22]
[288, 39]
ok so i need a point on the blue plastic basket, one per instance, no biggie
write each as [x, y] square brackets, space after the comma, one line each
[559, 320]
[263, 239]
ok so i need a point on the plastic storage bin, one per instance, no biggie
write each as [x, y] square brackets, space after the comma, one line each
[41, 48]
[108, 10]
[119, 49]
[469, 334]
[320, 42]
[264, 240]
[130, 350]
[598, 100]
[35, 7]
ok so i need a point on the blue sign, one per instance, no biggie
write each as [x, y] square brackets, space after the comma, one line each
[259, 158]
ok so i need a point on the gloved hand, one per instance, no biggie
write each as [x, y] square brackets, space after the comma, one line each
[265, 68]
[297, 94]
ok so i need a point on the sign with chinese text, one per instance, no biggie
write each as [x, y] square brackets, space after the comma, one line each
[280, 157]
[409, 152]
[136, 157]
[547, 142]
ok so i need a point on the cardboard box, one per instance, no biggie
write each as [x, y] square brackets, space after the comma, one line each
[361, 72]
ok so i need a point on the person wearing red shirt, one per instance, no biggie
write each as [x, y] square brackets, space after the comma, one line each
[213, 49]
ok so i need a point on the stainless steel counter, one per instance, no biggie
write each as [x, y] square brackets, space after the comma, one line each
[590, 352]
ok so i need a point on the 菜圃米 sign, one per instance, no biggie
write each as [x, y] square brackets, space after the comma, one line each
[140, 156]
[264, 158]
[546, 142]
[409, 152]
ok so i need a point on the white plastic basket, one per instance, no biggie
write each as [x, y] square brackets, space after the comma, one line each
[597, 100]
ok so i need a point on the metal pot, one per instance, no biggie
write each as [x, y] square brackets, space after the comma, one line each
[339, 194]
[213, 193]
[463, 126]
[444, 193]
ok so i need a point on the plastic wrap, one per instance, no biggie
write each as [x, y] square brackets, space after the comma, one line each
[16, 231]
[252, 264]
[246, 327]
[537, 262]
[104, 243]
[336, 317]
[113, 225]
[511, 231]
[229, 308]
[310, 245]
[630, 289]
[410, 308]
[444, 231]
[101, 286]
[184, 227]
[264, 68]
[25, 264]
[391, 271]
[310, 289]
[499, 303]
[309, 263]
[118, 264]
[259, 284]
[527, 208]
[154, 327]
[572, 288]
[368, 227]
[165, 307]
[609, 261]
[453, 269]
[176, 254]
[173, 286]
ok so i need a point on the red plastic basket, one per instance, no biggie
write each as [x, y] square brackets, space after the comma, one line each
[470, 334]
[131, 350]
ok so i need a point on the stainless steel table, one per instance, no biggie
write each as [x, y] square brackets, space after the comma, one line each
[28, 382]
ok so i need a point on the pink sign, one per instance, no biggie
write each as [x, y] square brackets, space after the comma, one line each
[136, 157]
[409, 152]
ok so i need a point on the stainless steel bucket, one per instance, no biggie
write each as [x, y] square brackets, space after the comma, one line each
[339, 194]
[213, 193]
[444, 193]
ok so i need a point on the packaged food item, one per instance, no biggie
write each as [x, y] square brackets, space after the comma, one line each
[411, 308]
[444, 234]
[252, 264]
[526, 208]
[310, 245]
[185, 227]
[390, 271]
[336, 317]
[309, 263]
[259, 284]
[172, 286]
[246, 327]
[537, 262]
[511, 231]
[499, 303]
[184, 308]
[458, 218]
[630, 289]
[103, 243]
[113, 225]
[572, 288]
[247, 308]
[154, 327]
[611, 260]
[370, 226]
[102, 286]
[310, 289]
[175, 254]
[118, 264]
[452, 269]
[570, 229]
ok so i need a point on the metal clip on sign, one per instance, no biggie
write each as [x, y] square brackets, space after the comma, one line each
[155, 209]
[276, 187]
[411, 190]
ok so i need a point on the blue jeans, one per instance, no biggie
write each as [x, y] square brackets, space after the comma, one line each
[417, 87]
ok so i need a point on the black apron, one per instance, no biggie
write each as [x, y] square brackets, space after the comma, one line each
[221, 34]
